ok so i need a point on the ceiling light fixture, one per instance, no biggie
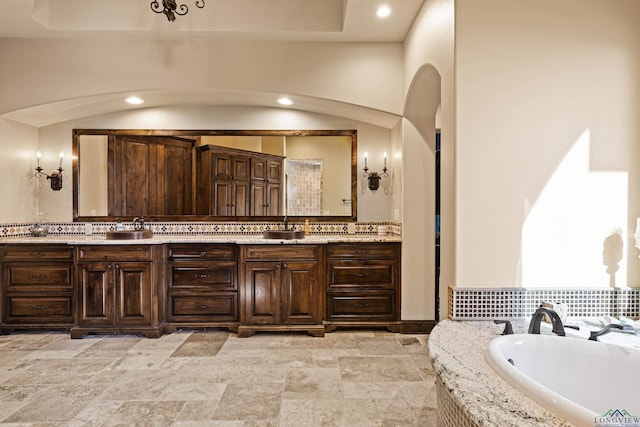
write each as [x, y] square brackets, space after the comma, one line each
[170, 8]
[285, 101]
[383, 11]
[134, 100]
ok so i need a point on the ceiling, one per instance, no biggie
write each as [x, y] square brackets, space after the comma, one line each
[292, 20]
[278, 20]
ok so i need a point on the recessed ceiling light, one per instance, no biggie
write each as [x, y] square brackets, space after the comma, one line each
[285, 101]
[383, 11]
[134, 100]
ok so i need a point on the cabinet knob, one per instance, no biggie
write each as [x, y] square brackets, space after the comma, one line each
[284, 265]
[39, 307]
[204, 307]
[38, 254]
[200, 276]
[203, 253]
[39, 276]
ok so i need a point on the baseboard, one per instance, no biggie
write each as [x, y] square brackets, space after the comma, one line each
[418, 326]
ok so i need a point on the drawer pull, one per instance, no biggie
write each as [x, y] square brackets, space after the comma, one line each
[203, 253]
[39, 307]
[201, 276]
[362, 305]
[362, 274]
[40, 276]
[38, 254]
[204, 307]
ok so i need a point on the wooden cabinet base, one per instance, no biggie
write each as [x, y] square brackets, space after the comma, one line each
[389, 326]
[201, 326]
[246, 331]
[81, 332]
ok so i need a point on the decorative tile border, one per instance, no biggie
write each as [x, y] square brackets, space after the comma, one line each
[499, 303]
[186, 228]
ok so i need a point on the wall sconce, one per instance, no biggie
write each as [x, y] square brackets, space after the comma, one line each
[55, 177]
[374, 177]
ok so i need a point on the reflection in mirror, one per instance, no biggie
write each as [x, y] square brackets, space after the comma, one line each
[214, 175]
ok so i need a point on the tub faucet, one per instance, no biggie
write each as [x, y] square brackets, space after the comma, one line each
[557, 327]
[595, 334]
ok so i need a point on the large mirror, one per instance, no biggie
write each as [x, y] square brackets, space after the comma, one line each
[214, 175]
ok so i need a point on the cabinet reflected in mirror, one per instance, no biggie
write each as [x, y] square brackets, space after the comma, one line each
[214, 175]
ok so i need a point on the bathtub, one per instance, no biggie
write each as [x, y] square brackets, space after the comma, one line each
[579, 380]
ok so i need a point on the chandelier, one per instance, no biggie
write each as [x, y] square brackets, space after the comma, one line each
[170, 8]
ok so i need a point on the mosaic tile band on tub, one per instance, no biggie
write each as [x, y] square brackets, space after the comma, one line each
[517, 303]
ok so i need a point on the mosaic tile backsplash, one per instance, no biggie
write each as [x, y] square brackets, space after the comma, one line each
[501, 303]
[200, 228]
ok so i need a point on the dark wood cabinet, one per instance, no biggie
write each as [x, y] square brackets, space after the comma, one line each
[37, 287]
[202, 286]
[363, 285]
[234, 182]
[282, 289]
[150, 176]
[117, 290]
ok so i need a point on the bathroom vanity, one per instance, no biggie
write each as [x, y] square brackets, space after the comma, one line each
[89, 285]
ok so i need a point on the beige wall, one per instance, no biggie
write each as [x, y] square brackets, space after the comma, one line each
[56, 138]
[335, 153]
[429, 82]
[365, 74]
[548, 100]
[93, 175]
[19, 190]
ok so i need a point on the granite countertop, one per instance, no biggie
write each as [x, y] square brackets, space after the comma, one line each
[158, 239]
[457, 349]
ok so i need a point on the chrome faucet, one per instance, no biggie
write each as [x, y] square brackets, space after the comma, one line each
[557, 327]
[138, 223]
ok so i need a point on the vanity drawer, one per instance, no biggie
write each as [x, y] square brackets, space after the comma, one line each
[364, 250]
[114, 253]
[208, 252]
[37, 252]
[223, 306]
[361, 306]
[281, 252]
[38, 309]
[362, 274]
[212, 276]
[27, 277]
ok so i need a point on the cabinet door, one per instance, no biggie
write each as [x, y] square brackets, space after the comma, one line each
[258, 204]
[273, 200]
[300, 293]
[240, 204]
[222, 200]
[133, 293]
[262, 292]
[95, 281]
[240, 168]
[274, 171]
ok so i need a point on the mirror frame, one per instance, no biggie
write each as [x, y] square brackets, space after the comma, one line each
[195, 132]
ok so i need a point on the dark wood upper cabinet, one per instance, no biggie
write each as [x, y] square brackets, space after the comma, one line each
[150, 176]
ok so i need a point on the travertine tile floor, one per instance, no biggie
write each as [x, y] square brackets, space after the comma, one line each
[214, 378]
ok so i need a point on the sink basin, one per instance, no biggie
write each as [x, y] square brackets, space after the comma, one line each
[129, 234]
[283, 234]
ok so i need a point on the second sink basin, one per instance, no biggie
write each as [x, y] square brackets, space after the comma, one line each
[283, 234]
[129, 234]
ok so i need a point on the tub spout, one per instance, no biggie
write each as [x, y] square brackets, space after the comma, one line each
[557, 327]
[595, 334]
